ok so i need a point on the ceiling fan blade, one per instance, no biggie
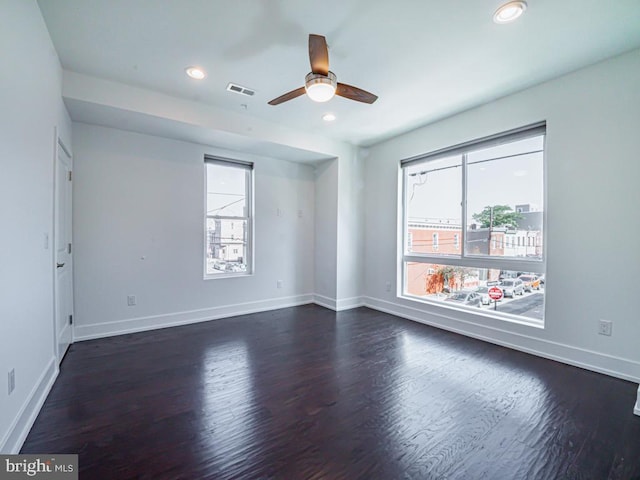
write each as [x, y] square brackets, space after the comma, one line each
[288, 96]
[355, 93]
[318, 54]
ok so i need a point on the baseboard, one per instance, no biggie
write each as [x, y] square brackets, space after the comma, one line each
[141, 324]
[338, 305]
[598, 362]
[17, 434]
[349, 303]
[325, 302]
[636, 409]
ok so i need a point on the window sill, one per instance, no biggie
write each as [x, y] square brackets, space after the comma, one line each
[480, 312]
[227, 275]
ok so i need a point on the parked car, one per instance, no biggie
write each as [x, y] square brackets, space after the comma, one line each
[465, 297]
[507, 274]
[484, 295]
[219, 264]
[531, 282]
[235, 267]
[512, 287]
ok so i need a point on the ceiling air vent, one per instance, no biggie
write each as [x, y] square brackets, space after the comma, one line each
[232, 87]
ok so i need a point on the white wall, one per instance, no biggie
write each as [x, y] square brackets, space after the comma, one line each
[141, 196]
[593, 170]
[30, 110]
[337, 232]
[326, 233]
[350, 254]
[339, 228]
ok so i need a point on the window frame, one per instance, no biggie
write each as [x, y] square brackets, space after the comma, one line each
[462, 258]
[248, 168]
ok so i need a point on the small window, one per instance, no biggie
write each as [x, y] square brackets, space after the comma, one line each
[434, 241]
[228, 218]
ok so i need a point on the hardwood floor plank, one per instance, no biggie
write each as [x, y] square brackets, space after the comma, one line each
[307, 393]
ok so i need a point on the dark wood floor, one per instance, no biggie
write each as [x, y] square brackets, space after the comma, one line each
[307, 393]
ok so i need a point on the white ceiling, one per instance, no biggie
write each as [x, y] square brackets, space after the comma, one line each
[425, 59]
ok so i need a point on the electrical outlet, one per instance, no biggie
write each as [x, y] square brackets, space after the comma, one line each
[388, 286]
[131, 300]
[12, 380]
[605, 327]
[279, 284]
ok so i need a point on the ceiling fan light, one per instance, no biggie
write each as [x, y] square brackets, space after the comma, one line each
[509, 11]
[320, 88]
[320, 92]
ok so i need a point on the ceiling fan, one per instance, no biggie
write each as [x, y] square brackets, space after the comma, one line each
[321, 84]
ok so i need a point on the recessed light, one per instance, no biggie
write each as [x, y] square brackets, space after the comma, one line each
[509, 11]
[195, 72]
[328, 117]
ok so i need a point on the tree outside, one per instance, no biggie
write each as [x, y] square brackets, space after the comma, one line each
[497, 216]
[446, 276]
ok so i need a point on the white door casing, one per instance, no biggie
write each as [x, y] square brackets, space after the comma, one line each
[63, 251]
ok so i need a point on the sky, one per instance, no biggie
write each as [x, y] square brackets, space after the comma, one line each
[491, 180]
[225, 190]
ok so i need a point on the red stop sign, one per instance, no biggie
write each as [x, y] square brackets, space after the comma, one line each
[495, 293]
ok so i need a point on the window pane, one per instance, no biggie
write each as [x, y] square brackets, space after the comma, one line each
[433, 211]
[226, 190]
[505, 200]
[523, 293]
[226, 246]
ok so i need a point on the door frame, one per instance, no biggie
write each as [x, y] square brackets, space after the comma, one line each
[59, 145]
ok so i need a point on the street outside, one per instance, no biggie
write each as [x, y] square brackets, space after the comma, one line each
[529, 304]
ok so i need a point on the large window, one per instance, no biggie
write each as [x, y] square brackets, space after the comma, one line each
[473, 219]
[228, 219]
